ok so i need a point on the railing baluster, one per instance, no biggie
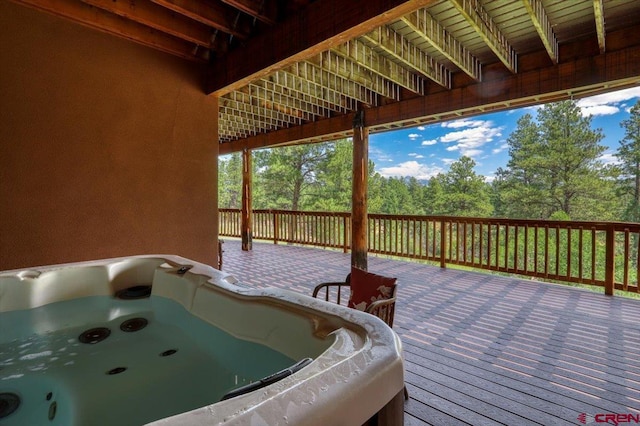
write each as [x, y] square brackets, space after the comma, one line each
[546, 250]
[569, 252]
[506, 247]
[625, 277]
[593, 255]
[580, 253]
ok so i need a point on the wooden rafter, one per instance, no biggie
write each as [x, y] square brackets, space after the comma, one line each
[598, 12]
[264, 10]
[212, 13]
[294, 98]
[261, 115]
[349, 88]
[430, 30]
[112, 24]
[260, 124]
[481, 22]
[325, 97]
[543, 27]
[360, 53]
[276, 98]
[353, 71]
[157, 17]
[402, 50]
[241, 103]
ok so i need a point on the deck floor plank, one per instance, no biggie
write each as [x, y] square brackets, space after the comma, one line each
[484, 349]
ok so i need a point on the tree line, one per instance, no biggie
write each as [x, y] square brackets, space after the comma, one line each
[554, 171]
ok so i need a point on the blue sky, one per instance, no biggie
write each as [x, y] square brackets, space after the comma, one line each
[425, 151]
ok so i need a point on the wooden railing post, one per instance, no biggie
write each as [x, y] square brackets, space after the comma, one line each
[610, 260]
[443, 244]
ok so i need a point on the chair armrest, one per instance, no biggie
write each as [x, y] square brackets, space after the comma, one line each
[320, 286]
[337, 293]
[374, 306]
[384, 308]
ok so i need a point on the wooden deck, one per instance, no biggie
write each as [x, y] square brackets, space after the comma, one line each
[483, 349]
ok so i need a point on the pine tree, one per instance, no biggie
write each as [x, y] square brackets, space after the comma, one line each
[629, 155]
[230, 181]
[554, 169]
[460, 191]
[287, 175]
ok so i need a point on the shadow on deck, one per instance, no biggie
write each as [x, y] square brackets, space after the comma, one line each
[483, 349]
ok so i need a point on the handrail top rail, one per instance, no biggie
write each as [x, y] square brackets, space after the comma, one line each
[596, 225]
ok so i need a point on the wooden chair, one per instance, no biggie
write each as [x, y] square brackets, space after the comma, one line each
[332, 292]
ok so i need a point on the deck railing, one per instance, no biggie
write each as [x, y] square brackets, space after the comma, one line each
[603, 254]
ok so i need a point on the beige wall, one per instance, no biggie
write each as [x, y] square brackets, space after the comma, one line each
[107, 148]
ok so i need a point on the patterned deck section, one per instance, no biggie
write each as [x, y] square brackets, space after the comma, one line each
[483, 349]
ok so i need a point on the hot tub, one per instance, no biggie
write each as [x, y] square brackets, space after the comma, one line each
[164, 340]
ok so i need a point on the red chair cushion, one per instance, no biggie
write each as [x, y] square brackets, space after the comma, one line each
[367, 287]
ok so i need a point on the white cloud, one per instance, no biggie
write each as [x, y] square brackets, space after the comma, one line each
[607, 103]
[413, 136]
[609, 158]
[456, 124]
[611, 97]
[599, 110]
[421, 128]
[429, 142]
[448, 161]
[411, 168]
[500, 148]
[469, 141]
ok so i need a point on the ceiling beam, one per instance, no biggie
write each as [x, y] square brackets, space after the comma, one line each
[349, 88]
[111, 24]
[157, 17]
[211, 13]
[326, 97]
[284, 87]
[308, 33]
[353, 71]
[598, 12]
[404, 51]
[481, 22]
[368, 58]
[239, 102]
[431, 31]
[273, 96]
[579, 77]
[540, 20]
[265, 10]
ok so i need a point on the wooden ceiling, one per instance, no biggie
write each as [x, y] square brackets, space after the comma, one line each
[296, 71]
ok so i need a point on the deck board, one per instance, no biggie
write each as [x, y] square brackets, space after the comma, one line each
[484, 349]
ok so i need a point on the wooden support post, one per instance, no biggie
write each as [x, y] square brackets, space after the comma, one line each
[610, 253]
[245, 230]
[359, 244]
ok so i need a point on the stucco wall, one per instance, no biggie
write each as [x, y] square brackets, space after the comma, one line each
[107, 148]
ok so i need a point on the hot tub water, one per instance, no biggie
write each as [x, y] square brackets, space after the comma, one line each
[128, 371]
